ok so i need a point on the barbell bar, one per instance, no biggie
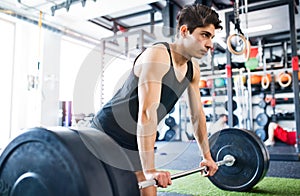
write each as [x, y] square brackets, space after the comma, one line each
[228, 160]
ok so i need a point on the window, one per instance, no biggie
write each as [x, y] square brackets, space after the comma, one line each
[6, 77]
[73, 53]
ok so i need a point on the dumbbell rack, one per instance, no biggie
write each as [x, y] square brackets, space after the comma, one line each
[218, 95]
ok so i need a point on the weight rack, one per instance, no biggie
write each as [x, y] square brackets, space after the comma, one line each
[292, 7]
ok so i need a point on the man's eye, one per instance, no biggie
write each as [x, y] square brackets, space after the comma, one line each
[205, 35]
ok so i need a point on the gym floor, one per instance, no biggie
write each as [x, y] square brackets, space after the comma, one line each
[176, 155]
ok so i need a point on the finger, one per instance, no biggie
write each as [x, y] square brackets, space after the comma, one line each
[163, 180]
[169, 178]
[202, 164]
[160, 181]
[213, 171]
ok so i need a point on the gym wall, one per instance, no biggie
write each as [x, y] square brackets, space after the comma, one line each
[28, 100]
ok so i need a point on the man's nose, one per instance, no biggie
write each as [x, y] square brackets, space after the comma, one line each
[209, 44]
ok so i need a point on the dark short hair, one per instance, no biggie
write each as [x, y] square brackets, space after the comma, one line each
[198, 15]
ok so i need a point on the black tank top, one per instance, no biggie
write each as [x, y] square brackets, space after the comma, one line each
[118, 117]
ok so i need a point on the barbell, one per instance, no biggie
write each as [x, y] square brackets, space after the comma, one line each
[228, 160]
[66, 161]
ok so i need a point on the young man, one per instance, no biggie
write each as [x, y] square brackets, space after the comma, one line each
[159, 76]
[276, 131]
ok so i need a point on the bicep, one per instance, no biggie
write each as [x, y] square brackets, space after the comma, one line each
[152, 70]
[149, 97]
[194, 100]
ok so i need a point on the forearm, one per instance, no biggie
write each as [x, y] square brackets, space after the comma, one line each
[146, 150]
[198, 118]
[200, 132]
[146, 135]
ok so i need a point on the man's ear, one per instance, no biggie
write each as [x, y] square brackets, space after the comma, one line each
[183, 30]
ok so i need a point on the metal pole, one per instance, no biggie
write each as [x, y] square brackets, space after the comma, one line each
[102, 53]
[295, 67]
[229, 74]
[213, 92]
[228, 160]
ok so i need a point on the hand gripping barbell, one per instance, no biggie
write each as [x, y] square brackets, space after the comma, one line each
[228, 160]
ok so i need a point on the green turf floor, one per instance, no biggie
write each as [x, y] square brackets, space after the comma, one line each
[195, 184]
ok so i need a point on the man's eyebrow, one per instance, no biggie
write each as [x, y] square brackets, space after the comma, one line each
[209, 33]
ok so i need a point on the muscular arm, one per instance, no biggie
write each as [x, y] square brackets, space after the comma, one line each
[199, 121]
[150, 68]
[197, 114]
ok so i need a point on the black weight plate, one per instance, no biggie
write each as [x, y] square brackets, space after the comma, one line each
[40, 158]
[262, 119]
[170, 122]
[234, 105]
[235, 120]
[53, 162]
[261, 133]
[169, 135]
[251, 164]
[114, 158]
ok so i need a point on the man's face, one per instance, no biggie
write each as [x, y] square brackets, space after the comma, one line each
[200, 41]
